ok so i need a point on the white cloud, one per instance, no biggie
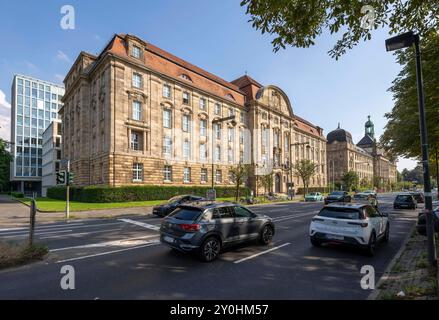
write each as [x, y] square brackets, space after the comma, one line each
[5, 117]
[59, 77]
[31, 66]
[63, 57]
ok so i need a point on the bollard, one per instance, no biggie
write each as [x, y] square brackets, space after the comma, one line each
[33, 211]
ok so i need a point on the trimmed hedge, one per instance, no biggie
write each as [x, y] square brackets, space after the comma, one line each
[17, 194]
[95, 194]
[316, 189]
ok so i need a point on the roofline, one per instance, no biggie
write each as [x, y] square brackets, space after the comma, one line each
[61, 86]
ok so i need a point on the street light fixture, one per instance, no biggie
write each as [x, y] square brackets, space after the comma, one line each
[233, 122]
[405, 40]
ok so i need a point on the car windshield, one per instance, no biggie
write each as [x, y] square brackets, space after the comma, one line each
[361, 196]
[313, 194]
[404, 198]
[340, 213]
[175, 199]
[337, 193]
[188, 214]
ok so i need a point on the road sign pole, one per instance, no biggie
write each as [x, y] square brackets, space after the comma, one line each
[68, 190]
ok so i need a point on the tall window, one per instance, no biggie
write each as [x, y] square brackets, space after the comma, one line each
[167, 118]
[137, 172]
[203, 175]
[136, 53]
[241, 136]
[241, 156]
[242, 117]
[167, 146]
[137, 110]
[276, 139]
[231, 112]
[203, 127]
[203, 152]
[137, 80]
[167, 91]
[186, 97]
[217, 130]
[230, 134]
[230, 155]
[167, 173]
[187, 174]
[202, 103]
[218, 153]
[218, 176]
[186, 123]
[186, 149]
[217, 108]
[135, 140]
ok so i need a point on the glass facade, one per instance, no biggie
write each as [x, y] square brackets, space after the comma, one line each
[36, 104]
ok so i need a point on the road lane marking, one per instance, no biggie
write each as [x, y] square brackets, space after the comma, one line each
[39, 227]
[35, 234]
[122, 242]
[293, 217]
[261, 253]
[78, 234]
[141, 224]
[42, 229]
[106, 253]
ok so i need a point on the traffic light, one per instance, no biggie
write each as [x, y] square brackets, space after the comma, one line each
[61, 178]
[70, 176]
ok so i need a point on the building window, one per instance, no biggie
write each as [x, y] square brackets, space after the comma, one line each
[231, 177]
[203, 128]
[230, 134]
[218, 131]
[137, 172]
[167, 173]
[204, 175]
[203, 152]
[187, 174]
[186, 149]
[218, 153]
[241, 136]
[202, 104]
[167, 91]
[137, 80]
[136, 52]
[186, 123]
[167, 118]
[135, 140]
[242, 117]
[231, 112]
[241, 156]
[217, 108]
[167, 146]
[218, 176]
[137, 110]
[186, 97]
[230, 155]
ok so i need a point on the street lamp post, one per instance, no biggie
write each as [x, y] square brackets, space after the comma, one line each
[405, 40]
[231, 120]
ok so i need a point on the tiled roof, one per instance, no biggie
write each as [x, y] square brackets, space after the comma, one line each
[244, 81]
[365, 141]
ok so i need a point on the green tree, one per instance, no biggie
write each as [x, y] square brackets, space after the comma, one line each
[5, 163]
[401, 134]
[267, 182]
[304, 169]
[299, 22]
[240, 174]
[365, 183]
[350, 180]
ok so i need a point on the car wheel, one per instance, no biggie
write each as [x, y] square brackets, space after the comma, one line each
[371, 246]
[386, 234]
[210, 249]
[316, 243]
[266, 235]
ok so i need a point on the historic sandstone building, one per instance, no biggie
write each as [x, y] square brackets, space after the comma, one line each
[136, 114]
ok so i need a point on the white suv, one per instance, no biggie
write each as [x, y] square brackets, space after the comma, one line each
[356, 224]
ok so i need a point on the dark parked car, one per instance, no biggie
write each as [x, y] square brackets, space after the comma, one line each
[421, 225]
[405, 201]
[362, 197]
[338, 196]
[207, 227]
[165, 209]
[419, 197]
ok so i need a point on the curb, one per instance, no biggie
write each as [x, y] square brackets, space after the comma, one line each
[375, 293]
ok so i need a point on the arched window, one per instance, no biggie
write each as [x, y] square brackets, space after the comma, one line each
[185, 77]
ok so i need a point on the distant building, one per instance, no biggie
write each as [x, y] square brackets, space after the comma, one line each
[51, 155]
[35, 104]
[365, 158]
[136, 114]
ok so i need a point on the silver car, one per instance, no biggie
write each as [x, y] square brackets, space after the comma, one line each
[207, 227]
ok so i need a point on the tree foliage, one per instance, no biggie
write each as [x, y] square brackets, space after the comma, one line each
[401, 134]
[299, 22]
[304, 169]
[5, 164]
[350, 180]
[240, 174]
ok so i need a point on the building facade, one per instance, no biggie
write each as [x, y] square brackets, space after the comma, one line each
[365, 158]
[137, 114]
[35, 104]
[51, 156]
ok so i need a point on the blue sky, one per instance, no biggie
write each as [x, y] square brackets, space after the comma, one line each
[216, 36]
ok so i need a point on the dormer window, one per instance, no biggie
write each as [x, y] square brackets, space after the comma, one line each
[136, 52]
[229, 96]
[185, 77]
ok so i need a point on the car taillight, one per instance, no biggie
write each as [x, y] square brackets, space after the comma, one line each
[190, 227]
[361, 224]
[318, 219]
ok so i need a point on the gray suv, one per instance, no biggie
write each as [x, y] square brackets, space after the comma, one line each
[207, 227]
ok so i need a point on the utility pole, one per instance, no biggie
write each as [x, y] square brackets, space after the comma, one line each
[68, 190]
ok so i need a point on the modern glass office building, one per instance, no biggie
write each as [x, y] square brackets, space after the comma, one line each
[35, 103]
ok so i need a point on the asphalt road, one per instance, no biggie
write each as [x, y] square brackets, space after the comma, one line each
[122, 259]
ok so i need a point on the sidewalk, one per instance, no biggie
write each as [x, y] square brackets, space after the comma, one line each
[410, 277]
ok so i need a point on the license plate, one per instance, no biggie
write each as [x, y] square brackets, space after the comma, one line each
[168, 239]
[334, 237]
